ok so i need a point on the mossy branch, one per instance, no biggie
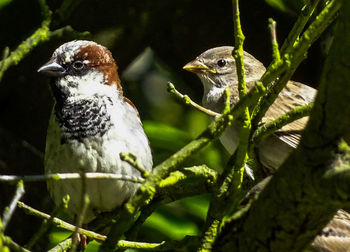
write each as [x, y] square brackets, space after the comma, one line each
[179, 184]
[147, 190]
[187, 100]
[302, 194]
[99, 238]
[39, 36]
[234, 177]
[270, 127]
[299, 25]
[132, 160]
[291, 60]
[274, 44]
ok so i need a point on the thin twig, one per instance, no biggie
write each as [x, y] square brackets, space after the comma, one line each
[32, 149]
[60, 223]
[227, 100]
[45, 10]
[84, 204]
[290, 61]
[299, 25]
[66, 176]
[132, 160]
[61, 32]
[46, 224]
[234, 176]
[10, 209]
[188, 101]
[7, 241]
[62, 246]
[39, 36]
[270, 127]
[148, 190]
[275, 51]
[5, 54]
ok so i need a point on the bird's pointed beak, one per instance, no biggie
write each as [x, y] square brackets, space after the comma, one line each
[195, 66]
[52, 68]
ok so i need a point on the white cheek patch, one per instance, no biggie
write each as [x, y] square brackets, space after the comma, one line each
[89, 85]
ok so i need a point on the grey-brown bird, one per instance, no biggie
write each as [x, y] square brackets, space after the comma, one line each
[217, 70]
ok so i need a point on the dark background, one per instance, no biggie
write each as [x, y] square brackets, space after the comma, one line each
[175, 31]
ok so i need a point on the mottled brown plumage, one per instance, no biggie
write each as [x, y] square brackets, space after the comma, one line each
[217, 71]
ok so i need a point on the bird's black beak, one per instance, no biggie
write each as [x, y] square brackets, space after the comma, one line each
[52, 68]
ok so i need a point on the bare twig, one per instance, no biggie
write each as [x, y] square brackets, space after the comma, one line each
[32, 149]
[60, 223]
[84, 204]
[69, 30]
[275, 51]
[98, 237]
[187, 100]
[66, 176]
[11, 208]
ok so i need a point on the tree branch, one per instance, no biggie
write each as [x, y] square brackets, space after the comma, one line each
[11, 208]
[298, 199]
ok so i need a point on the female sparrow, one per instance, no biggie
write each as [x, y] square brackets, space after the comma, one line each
[217, 71]
[90, 125]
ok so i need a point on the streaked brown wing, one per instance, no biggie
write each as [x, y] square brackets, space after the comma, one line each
[336, 235]
[294, 94]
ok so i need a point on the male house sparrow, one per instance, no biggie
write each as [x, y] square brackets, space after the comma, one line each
[90, 125]
[217, 71]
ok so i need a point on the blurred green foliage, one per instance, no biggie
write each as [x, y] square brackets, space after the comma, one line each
[3, 3]
[291, 7]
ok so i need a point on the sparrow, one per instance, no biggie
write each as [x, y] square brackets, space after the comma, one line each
[90, 125]
[217, 71]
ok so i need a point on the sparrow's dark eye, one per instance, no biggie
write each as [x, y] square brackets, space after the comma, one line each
[221, 62]
[78, 65]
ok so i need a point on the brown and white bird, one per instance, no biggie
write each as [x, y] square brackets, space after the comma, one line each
[217, 71]
[90, 125]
